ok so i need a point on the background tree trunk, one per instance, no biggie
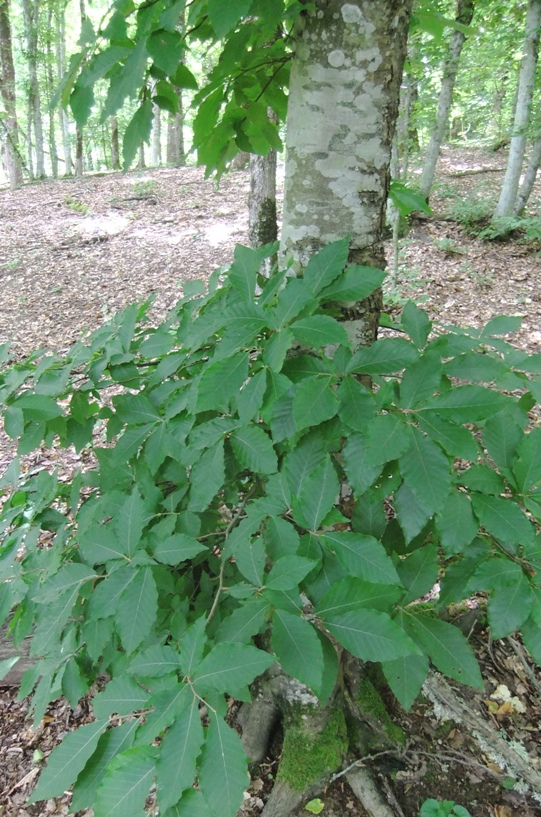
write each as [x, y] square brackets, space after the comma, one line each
[60, 70]
[156, 148]
[79, 167]
[10, 136]
[115, 153]
[464, 15]
[529, 178]
[525, 87]
[50, 87]
[176, 151]
[31, 26]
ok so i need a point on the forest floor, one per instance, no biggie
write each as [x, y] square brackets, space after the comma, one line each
[74, 251]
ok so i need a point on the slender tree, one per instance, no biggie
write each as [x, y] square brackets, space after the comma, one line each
[9, 124]
[525, 88]
[60, 42]
[464, 15]
[528, 181]
[31, 28]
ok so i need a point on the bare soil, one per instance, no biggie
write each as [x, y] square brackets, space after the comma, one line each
[74, 251]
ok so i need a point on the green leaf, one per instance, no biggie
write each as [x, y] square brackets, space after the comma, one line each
[297, 648]
[318, 331]
[243, 271]
[467, 404]
[406, 677]
[503, 519]
[121, 696]
[130, 521]
[527, 467]
[207, 477]
[167, 706]
[447, 648]
[250, 399]
[99, 544]
[225, 14]
[105, 598]
[223, 760]
[355, 594]
[502, 325]
[482, 478]
[221, 381]
[509, 606]
[531, 634]
[362, 556]
[427, 471]
[7, 664]
[135, 409]
[243, 623]
[406, 200]
[383, 357]
[300, 463]
[357, 404]
[419, 572]
[155, 662]
[420, 380]
[387, 438]
[314, 402]
[475, 366]
[454, 439]
[250, 559]
[110, 744]
[69, 577]
[370, 635]
[81, 103]
[67, 760]
[326, 265]
[127, 81]
[166, 49]
[360, 476]
[37, 407]
[191, 803]
[501, 436]
[369, 515]
[318, 494]
[355, 284]
[416, 324]
[411, 513]
[137, 132]
[184, 78]
[456, 523]
[177, 548]
[292, 300]
[254, 450]
[126, 784]
[288, 572]
[315, 806]
[179, 750]
[229, 668]
[137, 610]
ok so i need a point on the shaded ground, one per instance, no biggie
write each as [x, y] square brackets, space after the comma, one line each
[72, 252]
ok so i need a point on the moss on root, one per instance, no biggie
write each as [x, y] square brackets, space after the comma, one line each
[370, 702]
[308, 756]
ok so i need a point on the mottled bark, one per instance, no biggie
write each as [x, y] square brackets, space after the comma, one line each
[344, 89]
[53, 150]
[31, 26]
[464, 15]
[9, 133]
[156, 148]
[176, 151]
[262, 224]
[115, 152]
[529, 179]
[79, 168]
[525, 88]
[60, 70]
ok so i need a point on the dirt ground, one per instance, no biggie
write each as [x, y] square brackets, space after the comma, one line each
[74, 251]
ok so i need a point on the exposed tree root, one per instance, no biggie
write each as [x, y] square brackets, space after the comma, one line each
[367, 792]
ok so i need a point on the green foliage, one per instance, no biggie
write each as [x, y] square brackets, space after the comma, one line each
[442, 808]
[211, 513]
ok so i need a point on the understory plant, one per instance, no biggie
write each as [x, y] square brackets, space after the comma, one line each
[255, 491]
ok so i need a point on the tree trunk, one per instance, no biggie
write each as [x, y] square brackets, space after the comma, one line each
[176, 151]
[262, 228]
[529, 179]
[10, 135]
[344, 89]
[31, 25]
[50, 90]
[141, 163]
[79, 152]
[115, 152]
[464, 15]
[525, 87]
[60, 70]
[156, 149]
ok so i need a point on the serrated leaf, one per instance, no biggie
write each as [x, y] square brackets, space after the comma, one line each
[135, 409]
[67, 760]
[164, 707]
[221, 381]
[137, 610]
[509, 606]
[427, 471]
[318, 331]
[122, 695]
[456, 523]
[254, 450]
[362, 556]
[288, 572]
[357, 404]
[420, 380]
[467, 404]
[276, 349]
[137, 132]
[225, 14]
[192, 803]
[531, 634]
[318, 494]
[229, 668]
[166, 49]
[300, 463]
[177, 548]
[37, 407]
[69, 577]
[110, 744]
[293, 299]
[243, 623]
[243, 271]
[411, 513]
[502, 325]
[326, 265]
[223, 760]
[130, 521]
[386, 438]
[359, 475]
[104, 599]
[383, 357]
[179, 750]
[7, 664]
[155, 662]
[250, 399]
[406, 677]
[250, 559]
[419, 572]
[416, 323]
[503, 519]
[475, 366]
[370, 635]
[127, 81]
[482, 478]
[447, 648]
[126, 784]
[355, 284]
[527, 464]
[356, 594]
[297, 648]
[456, 440]
[501, 436]
[207, 477]
[314, 402]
